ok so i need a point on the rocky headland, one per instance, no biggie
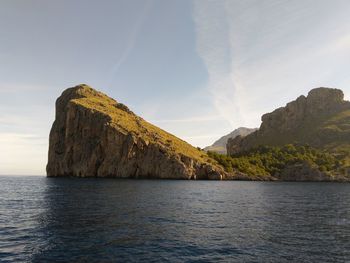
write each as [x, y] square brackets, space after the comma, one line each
[95, 136]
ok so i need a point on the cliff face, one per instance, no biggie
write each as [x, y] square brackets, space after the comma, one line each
[321, 120]
[95, 136]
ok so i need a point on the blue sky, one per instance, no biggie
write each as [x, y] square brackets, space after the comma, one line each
[198, 69]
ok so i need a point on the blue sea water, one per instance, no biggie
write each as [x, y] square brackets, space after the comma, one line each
[111, 220]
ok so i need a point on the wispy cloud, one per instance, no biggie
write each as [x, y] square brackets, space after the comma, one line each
[190, 120]
[342, 43]
[206, 136]
[213, 45]
[131, 40]
[6, 137]
[14, 120]
[24, 131]
[16, 87]
[261, 54]
[27, 149]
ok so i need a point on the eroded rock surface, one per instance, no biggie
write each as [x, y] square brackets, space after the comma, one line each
[95, 136]
[319, 120]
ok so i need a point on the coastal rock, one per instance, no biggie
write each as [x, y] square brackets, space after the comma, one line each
[319, 102]
[304, 171]
[95, 136]
[319, 120]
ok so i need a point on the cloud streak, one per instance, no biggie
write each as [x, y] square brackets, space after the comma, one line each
[213, 46]
[135, 29]
[261, 54]
[15, 87]
[29, 149]
[190, 120]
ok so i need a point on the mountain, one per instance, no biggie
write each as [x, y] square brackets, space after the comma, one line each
[220, 145]
[95, 136]
[321, 120]
[307, 140]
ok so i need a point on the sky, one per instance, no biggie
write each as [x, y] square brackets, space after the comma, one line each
[197, 68]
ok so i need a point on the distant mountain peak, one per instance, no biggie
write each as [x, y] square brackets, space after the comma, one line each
[219, 146]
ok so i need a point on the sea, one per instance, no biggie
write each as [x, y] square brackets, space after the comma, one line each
[129, 220]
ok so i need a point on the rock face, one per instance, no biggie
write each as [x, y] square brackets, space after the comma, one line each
[304, 172]
[320, 119]
[95, 136]
[220, 145]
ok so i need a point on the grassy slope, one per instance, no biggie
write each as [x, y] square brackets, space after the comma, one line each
[129, 122]
[337, 125]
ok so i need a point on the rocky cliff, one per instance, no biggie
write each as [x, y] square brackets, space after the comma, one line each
[95, 136]
[219, 146]
[322, 120]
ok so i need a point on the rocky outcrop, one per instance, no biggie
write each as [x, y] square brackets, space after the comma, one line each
[320, 119]
[95, 136]
[303, 171]
[219, 146]
[319, 103]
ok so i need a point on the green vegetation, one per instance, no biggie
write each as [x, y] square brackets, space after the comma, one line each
[270, 161]
[329, 137]
[327, 131]
[126, 121]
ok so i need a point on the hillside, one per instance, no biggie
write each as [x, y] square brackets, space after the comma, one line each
[95, 136]
[307, 140]
[286, 163]
[219, 146]
[320, 120]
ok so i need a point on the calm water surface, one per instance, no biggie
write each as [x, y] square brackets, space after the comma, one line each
[106, 220]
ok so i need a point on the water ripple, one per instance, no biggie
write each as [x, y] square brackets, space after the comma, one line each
[96, 220]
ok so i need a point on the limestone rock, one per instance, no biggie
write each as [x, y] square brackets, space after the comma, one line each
[321, 119]
[303, 171]
[95, 136]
